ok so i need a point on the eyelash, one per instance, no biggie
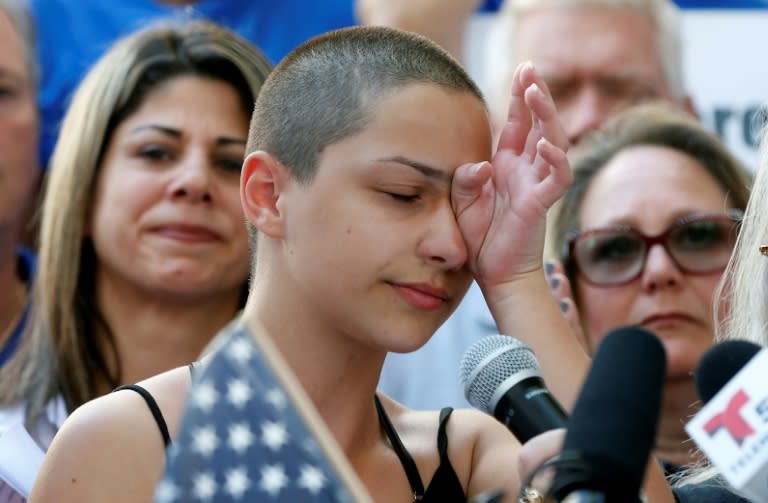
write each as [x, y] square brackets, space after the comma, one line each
[155, 153]
[161, 154]
[403, 198]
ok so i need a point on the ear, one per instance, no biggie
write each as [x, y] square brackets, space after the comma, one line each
[262, 181]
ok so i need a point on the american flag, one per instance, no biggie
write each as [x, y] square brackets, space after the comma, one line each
[241, 439]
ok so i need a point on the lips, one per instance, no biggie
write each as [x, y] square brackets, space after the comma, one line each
[188, 233]
[421, 296]
[662, 319]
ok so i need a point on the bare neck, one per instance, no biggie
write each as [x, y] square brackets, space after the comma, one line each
[155, 334]
[339, 375]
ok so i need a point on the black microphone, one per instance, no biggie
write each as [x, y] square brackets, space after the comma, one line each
[613, 425]
[732, 427]
[719, 364]
[501, 376]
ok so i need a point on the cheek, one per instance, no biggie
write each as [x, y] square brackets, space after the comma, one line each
[705, 288]
[602, 310]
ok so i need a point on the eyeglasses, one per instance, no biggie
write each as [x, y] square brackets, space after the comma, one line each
[616, 255]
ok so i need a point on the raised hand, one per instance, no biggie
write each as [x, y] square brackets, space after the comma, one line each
[501, 206]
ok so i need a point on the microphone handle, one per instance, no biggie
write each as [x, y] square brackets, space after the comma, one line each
[589, 496]
[529, 409]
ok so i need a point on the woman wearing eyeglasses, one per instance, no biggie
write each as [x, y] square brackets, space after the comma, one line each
[642, 238]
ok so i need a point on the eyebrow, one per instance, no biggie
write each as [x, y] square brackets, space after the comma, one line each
[176, 133]
[11, 73]
[424, 169]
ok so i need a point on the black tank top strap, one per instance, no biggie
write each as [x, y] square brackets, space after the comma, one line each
[153, 407]
[411, 471]
[442, 436]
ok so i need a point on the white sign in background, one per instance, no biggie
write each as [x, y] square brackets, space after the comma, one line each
[725, 53]
[727, 74]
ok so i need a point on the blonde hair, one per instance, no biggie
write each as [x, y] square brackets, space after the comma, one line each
[60, 353]
[742, 289]
[742, 296]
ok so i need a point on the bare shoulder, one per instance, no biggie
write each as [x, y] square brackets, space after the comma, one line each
[90, 453]
[482, 452]
[491, 450]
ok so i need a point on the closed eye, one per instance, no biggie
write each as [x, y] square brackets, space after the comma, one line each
[154, 153]
[403, 198]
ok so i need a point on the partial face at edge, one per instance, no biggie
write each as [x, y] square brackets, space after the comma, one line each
[19, 165]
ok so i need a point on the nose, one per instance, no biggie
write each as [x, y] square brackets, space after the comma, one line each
[443, 245]
[584, 112]
[192, 179]
[660, 271]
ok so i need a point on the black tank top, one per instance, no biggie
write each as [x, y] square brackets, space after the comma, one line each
[445, 486]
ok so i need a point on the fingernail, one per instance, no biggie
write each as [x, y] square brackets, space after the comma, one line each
[563, 306]
[554, 283]
[548, 267]
[477, 167]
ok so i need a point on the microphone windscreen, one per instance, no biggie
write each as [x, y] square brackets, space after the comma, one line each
[720, 363]
[614, 421]
[491, 362]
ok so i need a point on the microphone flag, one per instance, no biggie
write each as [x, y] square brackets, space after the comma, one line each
[732, 429]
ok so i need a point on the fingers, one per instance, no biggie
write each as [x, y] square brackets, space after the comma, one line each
[533, 132]
[515, 131]
[552, 168]
[536, 452]
[469, 182]
[539, 100]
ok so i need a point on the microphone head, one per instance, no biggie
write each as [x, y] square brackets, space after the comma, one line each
[612, 428]
[720, 363]
[492, 365]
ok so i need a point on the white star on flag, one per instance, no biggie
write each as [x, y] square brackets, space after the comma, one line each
[240, 351]
[273, 435]
[167, 492]
[237, 482]
[277, 398]
[205, 396]
[205, 486]
[240, 437]
[238, 393]
[205, 440]
[273, 479]
[311, 479]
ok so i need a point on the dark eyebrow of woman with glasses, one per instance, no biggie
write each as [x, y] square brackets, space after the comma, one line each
[654, 163]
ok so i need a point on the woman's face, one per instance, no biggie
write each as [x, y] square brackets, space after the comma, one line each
[166, 214]
[649, 188]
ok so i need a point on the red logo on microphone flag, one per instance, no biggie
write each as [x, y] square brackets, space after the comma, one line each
[731, 419]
